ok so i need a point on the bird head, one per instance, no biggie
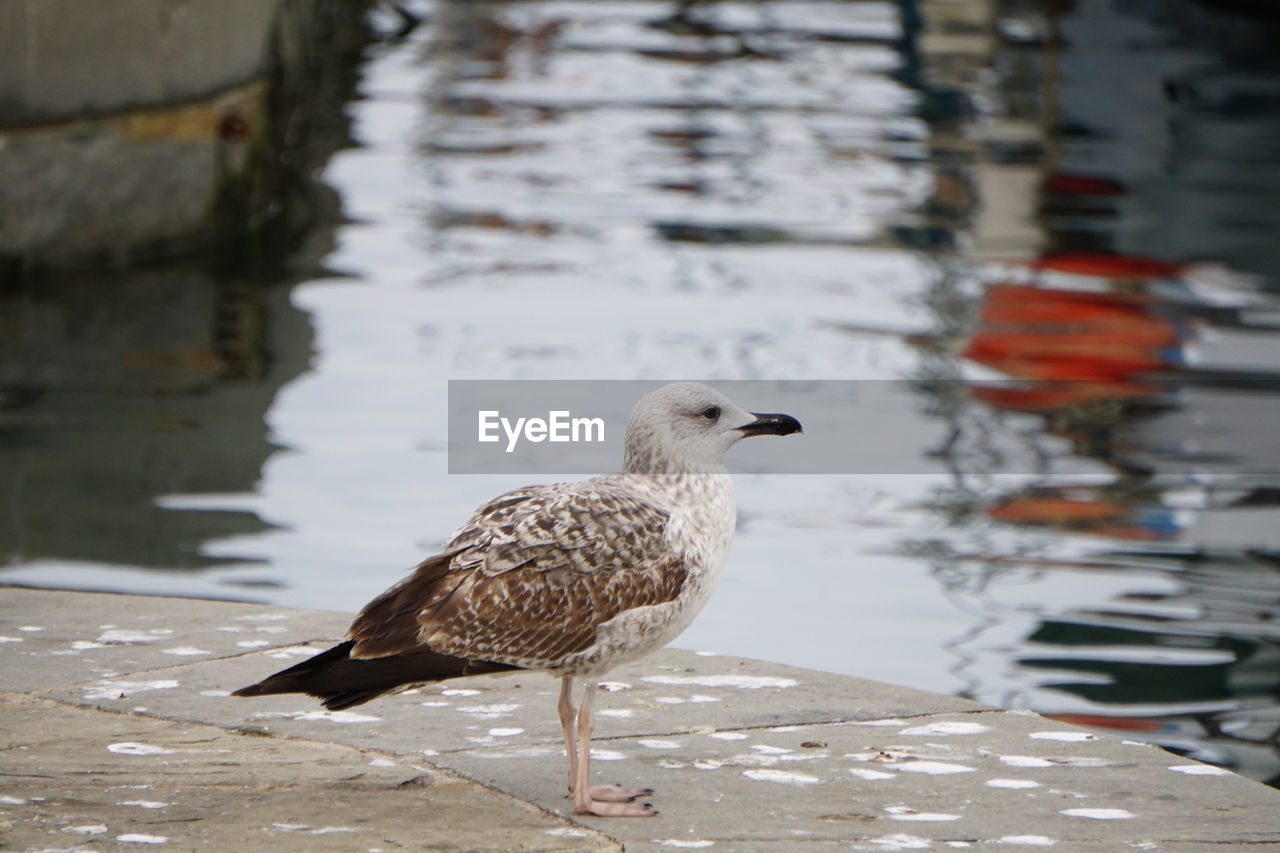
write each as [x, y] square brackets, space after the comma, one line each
[685, 427]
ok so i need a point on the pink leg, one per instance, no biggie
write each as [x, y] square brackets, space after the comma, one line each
[602, 793]
[600, 801]
[568, 714]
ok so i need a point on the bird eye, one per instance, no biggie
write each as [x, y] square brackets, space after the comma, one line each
[711, 412]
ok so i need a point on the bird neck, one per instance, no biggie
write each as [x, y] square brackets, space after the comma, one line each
[645, 461]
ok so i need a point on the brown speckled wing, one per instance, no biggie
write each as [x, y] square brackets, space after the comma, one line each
[529, 578]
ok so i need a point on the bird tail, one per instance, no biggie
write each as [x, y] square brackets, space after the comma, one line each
[341, 681]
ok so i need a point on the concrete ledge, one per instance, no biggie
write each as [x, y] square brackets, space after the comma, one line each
[119, 732]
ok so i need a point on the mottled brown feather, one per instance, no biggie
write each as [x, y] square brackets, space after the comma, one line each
[529, 578]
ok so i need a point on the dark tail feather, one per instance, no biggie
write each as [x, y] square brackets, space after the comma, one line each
[341, 681]
[389, 624]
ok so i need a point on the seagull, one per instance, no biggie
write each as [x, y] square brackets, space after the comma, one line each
[569, 578]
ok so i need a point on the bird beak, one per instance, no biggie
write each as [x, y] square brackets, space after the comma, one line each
[767, 424]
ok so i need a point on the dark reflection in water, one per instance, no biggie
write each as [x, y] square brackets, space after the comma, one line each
[1152, 134]
[142, 366]
[83, 462]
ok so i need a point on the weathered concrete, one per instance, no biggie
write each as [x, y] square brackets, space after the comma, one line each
[118, 725]
[154, 53]
[76, 774]
[152, 128]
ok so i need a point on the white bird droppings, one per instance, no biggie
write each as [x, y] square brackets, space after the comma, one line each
[784, 777]
[185, 651]
[902, 842]
[382, 762]
[1082, 761]
[145, 804]
[1199, 770]
[946, 728]
[141, 838]
[728, 736]
[121, 636]
[31, 628]
[607, 754]
[6, 800]
[506, 732]
[10, 639]
[614, 712]
[566, 832]
[1025, 761]
[614, 686]
[85, 645]
[253, 644]
[459, 691]
[742, 682]
[908, 813]
[302, 827]
[871, 775]
[689, 843]
[215, 694]
[1012, 783]
[1099, 814]
[134, 748]
[86, 829]
[659, 743]
[933, 768]
[1069, 737]
[766, 749]
[1028, 840]
[306, 716]
[336, 716]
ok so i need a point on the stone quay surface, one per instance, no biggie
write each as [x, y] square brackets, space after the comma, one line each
[119, 733]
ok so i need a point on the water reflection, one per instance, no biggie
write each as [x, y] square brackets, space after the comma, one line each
[84, 462]
[1141, 595]
[145, 320]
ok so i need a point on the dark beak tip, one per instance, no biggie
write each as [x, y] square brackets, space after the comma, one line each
[771, 424]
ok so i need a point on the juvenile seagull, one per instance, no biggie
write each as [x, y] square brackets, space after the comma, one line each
[571, 578]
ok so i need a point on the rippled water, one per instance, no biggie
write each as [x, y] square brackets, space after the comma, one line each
[786, 190]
